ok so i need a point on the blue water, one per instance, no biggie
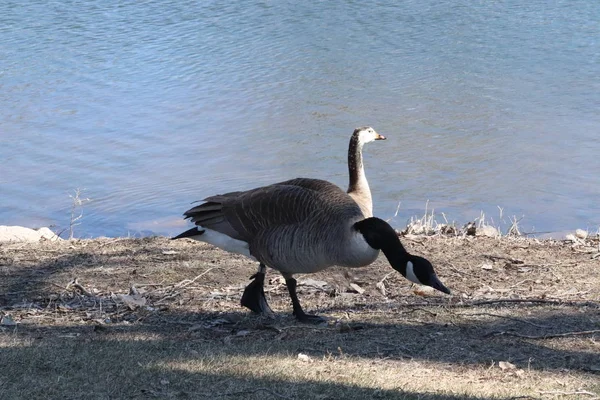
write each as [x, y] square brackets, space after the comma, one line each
[151, 105]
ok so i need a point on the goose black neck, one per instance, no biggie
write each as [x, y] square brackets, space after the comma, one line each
[398, 258]
[381, 236]
[355, 162]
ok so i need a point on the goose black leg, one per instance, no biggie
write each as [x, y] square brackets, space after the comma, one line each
[298, 311]
[254, 294]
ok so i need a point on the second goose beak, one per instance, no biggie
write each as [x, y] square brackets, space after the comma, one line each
[379, 137]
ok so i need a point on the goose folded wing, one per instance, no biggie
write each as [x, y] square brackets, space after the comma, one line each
[242, 215]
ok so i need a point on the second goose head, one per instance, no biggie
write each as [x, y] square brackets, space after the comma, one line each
[366, 134]
[381, 236]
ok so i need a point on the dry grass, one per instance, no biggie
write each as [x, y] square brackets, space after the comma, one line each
[523, 322]
[432, 223]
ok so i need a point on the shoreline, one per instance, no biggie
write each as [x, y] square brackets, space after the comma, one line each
[416, 227]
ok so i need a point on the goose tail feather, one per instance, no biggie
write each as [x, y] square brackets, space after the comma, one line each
[189, 233]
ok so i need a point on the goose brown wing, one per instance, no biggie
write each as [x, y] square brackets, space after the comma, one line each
[242, 215]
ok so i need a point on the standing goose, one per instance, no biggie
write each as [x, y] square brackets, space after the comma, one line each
[301, 226]
[358, 188]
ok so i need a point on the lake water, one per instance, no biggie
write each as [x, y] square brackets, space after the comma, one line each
[149, 106]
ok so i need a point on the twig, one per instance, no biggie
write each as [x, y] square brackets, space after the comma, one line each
[521, 397]
[187, 282]
[386, 276]
[594, 304]
[263, 389]
[484, 302]
[184, 283]
[512, 260]
[548, 336]
[506, 317]
[453, 268]
[58, 286]
[169, 297]
[419, 309]
[521, 282]
[74, 283]
[570, 393]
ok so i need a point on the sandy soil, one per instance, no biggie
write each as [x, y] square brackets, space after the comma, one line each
[154, 318]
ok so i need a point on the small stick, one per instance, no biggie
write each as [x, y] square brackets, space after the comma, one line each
[506, 317]
[74, 283]
[419, 309]
[512, 260]
[541, 301]
[522, 397]
[189, 282]
[483, 302]
[570, 393]
[549, 336]
[246, 392]
[158, 302]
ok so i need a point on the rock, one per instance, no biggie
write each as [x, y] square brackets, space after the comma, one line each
[487, 230]
[22, 234]
[446, 229]
[505, 365]
[470, 229]
[581, 234]
[304, 358]
[487, 266]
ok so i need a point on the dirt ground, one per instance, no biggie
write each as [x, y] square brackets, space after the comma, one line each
[154, 318]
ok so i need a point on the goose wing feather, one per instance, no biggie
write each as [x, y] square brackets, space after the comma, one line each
[243, 215]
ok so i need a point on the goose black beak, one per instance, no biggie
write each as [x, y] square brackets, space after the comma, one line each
[379, 137]
[435, 283]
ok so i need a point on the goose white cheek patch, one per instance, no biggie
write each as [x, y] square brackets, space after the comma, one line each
[410, 273]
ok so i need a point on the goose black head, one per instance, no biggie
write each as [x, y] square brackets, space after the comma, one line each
[381, 236]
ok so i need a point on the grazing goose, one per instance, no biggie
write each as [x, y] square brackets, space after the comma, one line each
[301, 226]
[358, 188]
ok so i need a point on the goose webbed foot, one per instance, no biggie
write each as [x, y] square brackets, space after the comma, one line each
[298, 311]
[310, 318]
[254, 295]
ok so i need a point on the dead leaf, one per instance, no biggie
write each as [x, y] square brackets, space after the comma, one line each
[423, 291]
[357, 288]
[313, 283]
[132, 301]
[381, 287]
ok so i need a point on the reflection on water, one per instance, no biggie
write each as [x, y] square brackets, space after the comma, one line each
[149, 106]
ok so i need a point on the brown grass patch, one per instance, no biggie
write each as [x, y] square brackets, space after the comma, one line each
[523, 322]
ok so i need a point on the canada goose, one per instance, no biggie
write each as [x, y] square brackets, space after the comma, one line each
[358, 187]
[300, 226]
